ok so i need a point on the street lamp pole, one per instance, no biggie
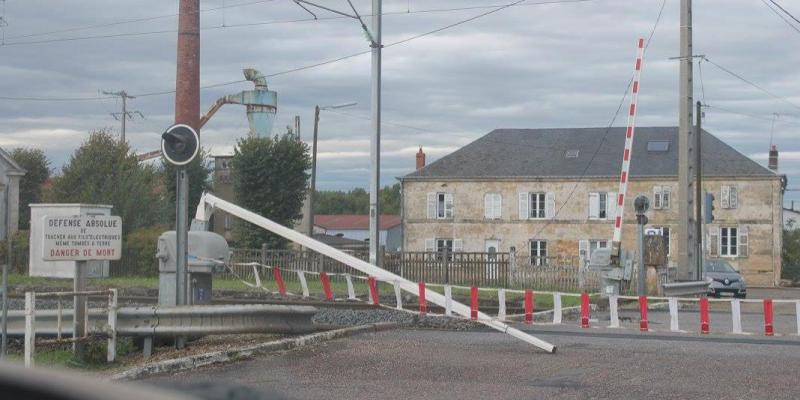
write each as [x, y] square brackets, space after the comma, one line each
[375, 142]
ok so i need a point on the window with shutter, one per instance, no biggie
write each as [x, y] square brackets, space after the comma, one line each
[657, 197]
[594, 205]
[458, 245]
[550, 206]
[744, 242]
[733, 202]
[666, 197]
[725, 197]
[583, 250]
[523, 205]
[431, 205]
[430, 245]
[492, 206]
[612, 205]
[728, 242]
[498, 205]
[538, 252]
[448, 205]
[537, 208]
[713, 242]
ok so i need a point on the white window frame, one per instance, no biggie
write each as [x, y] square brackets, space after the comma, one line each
[440, 205]
[538, 252]
[729, 197]
[602, 205]
[492, 206]
[662, 197]
[729, 250]
[540, 200]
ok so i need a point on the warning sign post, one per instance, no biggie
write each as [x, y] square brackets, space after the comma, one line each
[81, 238]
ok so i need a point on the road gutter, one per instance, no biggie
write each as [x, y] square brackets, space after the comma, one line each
[218, 357]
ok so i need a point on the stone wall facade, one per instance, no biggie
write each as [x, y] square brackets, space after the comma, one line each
[757, 218]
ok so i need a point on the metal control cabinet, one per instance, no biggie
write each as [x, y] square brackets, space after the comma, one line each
[208, 252]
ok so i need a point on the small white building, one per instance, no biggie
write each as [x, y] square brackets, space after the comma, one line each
[356, 227]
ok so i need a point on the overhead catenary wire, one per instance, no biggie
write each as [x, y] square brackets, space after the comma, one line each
[273, 22]
[781, 16]
[318, 64]
[751, 83]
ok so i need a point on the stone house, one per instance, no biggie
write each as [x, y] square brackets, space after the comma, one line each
[545, 193]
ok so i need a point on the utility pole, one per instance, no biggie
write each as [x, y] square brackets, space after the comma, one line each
[687, 240]
[313, 188]
[187, 111]
[698, 191]
[125, 114]
[375, 142]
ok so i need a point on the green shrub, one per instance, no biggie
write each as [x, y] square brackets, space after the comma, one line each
[139, 253]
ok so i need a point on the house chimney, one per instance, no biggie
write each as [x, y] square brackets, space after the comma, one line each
[773, 158]
[421, 158]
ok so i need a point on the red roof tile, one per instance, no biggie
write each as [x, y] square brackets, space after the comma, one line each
[354, 221]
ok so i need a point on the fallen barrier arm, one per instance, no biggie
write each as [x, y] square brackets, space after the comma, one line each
[209, 202]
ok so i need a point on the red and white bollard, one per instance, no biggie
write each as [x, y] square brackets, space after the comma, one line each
[423, 305]
[768, 328]
[704, 323]
[279, 280]
[326, 285]
[474, 298]
[528, 306]
[373, 290]
[584, 310]
[643, 323]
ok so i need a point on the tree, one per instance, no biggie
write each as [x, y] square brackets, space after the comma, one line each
[35, 162]
[356, 201]
[104, 170]
[198, 171]
[270, 179]
[791, 252]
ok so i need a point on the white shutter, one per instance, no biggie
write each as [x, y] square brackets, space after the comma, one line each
[488, 207]
[458, 245]
[498, 205]
[432, 205]
[656, 197]
[743, 241]
[666, 197]
[524, 203]
[550, 205]
[430, 245]
[583, 250]
[594, 205]
[611, 205]
[713, 242]
[724, 198]
[734, 197]
[448, 205]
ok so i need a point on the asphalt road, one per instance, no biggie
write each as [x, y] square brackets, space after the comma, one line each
[594, 363]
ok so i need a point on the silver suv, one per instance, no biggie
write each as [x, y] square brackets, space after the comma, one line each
[724, 279]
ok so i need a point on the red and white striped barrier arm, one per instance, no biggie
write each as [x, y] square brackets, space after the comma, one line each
[626, 155]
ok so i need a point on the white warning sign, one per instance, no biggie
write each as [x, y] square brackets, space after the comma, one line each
[82, 238]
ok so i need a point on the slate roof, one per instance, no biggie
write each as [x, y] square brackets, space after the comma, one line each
[354, 221]
[539, 153]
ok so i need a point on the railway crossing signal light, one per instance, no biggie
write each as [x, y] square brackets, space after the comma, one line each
[180, 144]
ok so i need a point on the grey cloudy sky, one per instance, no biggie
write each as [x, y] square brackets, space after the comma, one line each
[530, 66]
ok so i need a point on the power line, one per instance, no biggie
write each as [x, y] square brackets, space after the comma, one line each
[781, 16]
[785, 11]
[286, 21]
[131, 21]
[608, 129]
[751, 83]
[305, 67]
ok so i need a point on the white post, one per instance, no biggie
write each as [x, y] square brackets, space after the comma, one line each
[351, 292]
[736, 315]
[303, 284]
[501, 304]
[257, 277]
[30, 327]
[557, 313]
[398, 295]
[797, 315]
[112, 326]
[59, 318]
[448, 300]
[612, 306]
[673, 315]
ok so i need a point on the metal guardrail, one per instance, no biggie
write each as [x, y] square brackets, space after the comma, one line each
[685, 288]
[167, 321]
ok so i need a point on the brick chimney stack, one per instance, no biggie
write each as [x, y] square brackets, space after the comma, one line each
[420, 159]
[773, 158]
